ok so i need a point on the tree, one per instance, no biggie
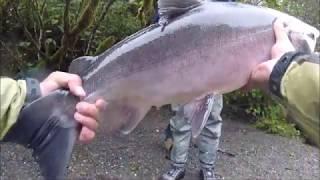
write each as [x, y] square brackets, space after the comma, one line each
[50, 33]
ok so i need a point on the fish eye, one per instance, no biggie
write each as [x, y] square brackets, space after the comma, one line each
[312, 36]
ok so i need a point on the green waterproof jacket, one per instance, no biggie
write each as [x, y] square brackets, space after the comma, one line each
[13, 95]
[295, 79]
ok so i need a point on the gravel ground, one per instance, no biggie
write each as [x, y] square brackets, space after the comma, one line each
[246, 153]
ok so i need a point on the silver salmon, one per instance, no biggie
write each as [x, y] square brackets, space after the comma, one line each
[210, 48]
[197, 48]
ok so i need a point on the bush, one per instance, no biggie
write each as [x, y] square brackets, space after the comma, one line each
[50, 34]
[274, 121]
[269, 116]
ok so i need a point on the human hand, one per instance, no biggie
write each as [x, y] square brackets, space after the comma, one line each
[58, 80]
[260, 75]
[86, 113]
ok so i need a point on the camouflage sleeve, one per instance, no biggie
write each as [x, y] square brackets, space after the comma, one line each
[13, 95]
[295, 79]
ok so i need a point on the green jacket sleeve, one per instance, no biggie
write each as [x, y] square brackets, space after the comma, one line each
[300, 90]
[12, 96]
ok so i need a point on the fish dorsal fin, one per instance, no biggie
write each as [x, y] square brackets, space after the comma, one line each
[81, 65]
[176, 7]
[172, 8]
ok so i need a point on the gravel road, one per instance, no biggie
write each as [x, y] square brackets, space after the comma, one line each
[246, 153]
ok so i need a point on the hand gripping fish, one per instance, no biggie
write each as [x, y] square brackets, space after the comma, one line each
[204, 47]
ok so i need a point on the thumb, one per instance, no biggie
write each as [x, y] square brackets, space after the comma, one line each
[283, 44]
[280, 31]
[75, 85]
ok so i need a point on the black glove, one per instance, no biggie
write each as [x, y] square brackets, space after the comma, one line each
[47, 126]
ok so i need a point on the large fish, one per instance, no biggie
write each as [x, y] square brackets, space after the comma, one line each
[204, 47]
[198, 48]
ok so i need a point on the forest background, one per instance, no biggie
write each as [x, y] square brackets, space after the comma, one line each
[39, 36]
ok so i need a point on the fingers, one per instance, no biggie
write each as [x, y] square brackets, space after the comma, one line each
[87, 109]
[86, 121]
[280, 31]
[75, 85]
[283, 44]
[87, 114]
[260, 75]
[101, 104]
[57, 80]
[86, 135]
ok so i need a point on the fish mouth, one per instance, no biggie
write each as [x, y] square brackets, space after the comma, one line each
[303, 36]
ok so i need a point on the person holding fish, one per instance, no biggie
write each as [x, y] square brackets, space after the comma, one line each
[15, 94]
[207, 141]
[30, 118]
[293, 77]
[178, 137]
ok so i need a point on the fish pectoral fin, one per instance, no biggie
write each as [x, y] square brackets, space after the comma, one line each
[199, 113]
[124, 117]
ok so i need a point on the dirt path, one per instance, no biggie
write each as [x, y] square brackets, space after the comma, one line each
[249, 154]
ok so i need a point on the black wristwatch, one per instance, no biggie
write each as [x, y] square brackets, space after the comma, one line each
[279, 70]
[33, 89]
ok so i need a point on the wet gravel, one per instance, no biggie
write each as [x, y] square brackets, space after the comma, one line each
[245, 153]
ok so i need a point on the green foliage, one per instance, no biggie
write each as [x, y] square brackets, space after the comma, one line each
[274, 121]
[107, 43]
[51, 33]
[146, 11]
[269, 115]
[120, 22]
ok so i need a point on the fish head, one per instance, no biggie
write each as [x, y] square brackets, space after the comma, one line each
[303, 42]
[302, 35]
